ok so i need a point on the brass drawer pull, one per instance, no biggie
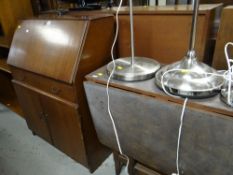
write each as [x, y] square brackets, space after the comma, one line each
[42, 116]
[54, 90]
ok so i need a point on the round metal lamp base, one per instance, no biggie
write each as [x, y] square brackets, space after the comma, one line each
[224, 97]
[142, 69]
[192, 94]
[189, 78]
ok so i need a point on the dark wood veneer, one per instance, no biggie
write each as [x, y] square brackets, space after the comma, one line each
[48, 73]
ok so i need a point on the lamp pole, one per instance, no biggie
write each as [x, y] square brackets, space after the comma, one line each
[131, 32]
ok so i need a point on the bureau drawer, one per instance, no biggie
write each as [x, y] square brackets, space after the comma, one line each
[48, 85]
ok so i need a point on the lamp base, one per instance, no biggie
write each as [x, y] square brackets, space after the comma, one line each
[189, 78]
[224, 97]
[142, 69]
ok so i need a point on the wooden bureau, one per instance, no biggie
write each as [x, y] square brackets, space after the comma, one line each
[48, 59]
[225, 35]
[163, 32]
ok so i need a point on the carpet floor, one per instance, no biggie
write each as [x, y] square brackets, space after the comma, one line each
[21, 153]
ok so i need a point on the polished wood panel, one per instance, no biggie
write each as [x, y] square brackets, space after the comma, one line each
[172, 9]
[95, 54]
[56, 43]
[55, 120]
[3, 66]
[59, 89]
[162, 32]
[162, 37]
[12, 11]
[225, 34]
[65, 127]
[55, 73]
[225, 2]
[33, 113]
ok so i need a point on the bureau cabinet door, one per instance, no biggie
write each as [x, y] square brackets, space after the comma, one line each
[65, 127]
[30, 103]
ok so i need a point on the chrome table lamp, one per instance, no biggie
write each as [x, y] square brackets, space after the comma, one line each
[189, 77]
[133, 68]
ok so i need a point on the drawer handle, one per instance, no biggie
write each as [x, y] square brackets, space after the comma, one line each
[43, 116]
[55, 90]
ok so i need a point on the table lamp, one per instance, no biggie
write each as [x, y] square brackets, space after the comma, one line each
[133, 68]
[189, 77]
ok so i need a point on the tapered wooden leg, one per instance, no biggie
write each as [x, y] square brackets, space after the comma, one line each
[131, 166]
[118, 163]
[121, 161]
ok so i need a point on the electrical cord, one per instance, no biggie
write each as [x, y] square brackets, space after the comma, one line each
[227, 75]
[181, 119]
[183, 108]
[179, 136]
[107, 87]
[230, 71]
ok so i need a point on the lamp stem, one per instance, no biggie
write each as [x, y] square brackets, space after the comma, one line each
[131, 31]
[193, 29]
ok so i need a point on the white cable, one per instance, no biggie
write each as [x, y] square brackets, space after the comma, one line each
[179, 135]
[181, 119]
[230, 71]
[107, 87]
[186, 99]
[183, 109]
[229, 78]
[110, 76]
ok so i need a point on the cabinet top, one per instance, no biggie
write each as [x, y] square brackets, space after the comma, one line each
[48, 47]
[148, 88]
[168, 9]
[229, 7]
[142, 10]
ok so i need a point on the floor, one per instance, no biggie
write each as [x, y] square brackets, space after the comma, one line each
[21, 153]
[7, 93]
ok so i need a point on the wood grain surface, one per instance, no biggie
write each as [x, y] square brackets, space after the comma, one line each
[225, 34]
